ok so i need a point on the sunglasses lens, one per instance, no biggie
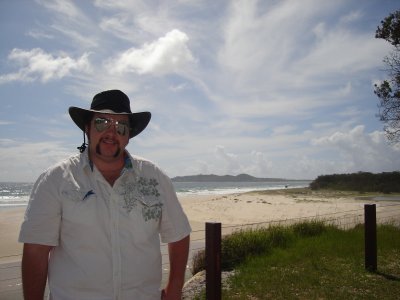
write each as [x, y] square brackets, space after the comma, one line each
[122, 129]
[102, 124]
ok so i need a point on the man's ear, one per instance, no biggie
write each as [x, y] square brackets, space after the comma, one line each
[87, 130]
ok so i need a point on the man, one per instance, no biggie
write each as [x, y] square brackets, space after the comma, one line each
[94, 221]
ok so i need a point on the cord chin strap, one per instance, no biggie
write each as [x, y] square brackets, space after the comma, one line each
[82, 147]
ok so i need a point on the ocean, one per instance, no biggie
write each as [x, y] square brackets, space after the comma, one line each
[14, 194]
[218, 188]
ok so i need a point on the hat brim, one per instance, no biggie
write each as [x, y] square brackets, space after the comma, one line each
[138, 121]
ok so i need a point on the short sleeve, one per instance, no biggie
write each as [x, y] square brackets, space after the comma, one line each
[174, 222]
[42, 220]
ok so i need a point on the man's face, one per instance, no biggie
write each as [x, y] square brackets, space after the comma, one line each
[108, 136]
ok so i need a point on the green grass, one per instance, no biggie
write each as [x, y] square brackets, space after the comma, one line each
[312, 261]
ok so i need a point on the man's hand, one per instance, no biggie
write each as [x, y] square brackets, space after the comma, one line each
[178, 256]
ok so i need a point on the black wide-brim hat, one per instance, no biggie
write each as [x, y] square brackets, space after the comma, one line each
[111, 102]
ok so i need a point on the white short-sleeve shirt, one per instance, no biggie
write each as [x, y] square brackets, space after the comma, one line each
[106, 238]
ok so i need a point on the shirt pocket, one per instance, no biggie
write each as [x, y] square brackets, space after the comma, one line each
[79, 206]
[141, 198]
[76, 195]
[151, 208]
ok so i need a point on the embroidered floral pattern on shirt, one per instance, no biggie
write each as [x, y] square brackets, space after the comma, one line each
[143, 191]
[152, 212]
[148, 187]
[129, 196]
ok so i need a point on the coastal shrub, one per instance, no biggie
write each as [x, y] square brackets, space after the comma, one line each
[313, 260]
[198, 262]
[309, 228]
[386, 182]
[238, 246]
[279, 236]
[329, 265]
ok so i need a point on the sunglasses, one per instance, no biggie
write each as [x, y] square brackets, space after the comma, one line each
[102, 124]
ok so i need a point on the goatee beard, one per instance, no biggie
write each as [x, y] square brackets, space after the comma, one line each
[115, 154]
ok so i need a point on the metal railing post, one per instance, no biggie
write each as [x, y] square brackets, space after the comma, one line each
[370, 237]
[213, 261]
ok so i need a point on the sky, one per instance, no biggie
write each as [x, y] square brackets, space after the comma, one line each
[270, 88]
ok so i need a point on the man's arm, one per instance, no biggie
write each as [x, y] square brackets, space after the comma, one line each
[178, 256]
[34, 270]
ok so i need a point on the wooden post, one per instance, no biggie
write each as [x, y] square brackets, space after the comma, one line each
[213, 261]
[370, 237]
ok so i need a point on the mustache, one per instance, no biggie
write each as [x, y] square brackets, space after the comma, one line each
[117, 152]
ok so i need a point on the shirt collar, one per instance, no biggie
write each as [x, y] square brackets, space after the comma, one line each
[128, 161]
[87, 163]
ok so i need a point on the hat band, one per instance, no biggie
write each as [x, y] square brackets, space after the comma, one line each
[110, 111]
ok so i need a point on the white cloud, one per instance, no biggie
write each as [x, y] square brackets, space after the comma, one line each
[168, 54]
[36, 64]
[351, 17]
[24, 161]
[229, 160]
[283, 59]
[330, 54]
[117, 25]
[63, 7]
[269, 33]
[3, 122]
[76, 27]
[320, 30]
[284, 129]
[39, 34]
[124, 25]
[78, 37]
[362, 151]
[115, 4]
[346, 90]
[277, 84]
[294, 157]
[259, 165]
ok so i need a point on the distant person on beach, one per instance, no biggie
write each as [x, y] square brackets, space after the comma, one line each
[94, 221]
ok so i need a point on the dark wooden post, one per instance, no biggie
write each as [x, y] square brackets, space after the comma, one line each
[370, 237]
[213, 261]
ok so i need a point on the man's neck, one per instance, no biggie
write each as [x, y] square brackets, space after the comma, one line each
[110, 169]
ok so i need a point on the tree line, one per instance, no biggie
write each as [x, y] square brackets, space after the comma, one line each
[386, 182]
[388, 90]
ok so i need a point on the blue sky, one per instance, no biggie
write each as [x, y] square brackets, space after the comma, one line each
[270, 88]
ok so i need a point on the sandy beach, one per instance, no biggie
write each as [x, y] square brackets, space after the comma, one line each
[233, 211]
[277, 206]
[10, 222]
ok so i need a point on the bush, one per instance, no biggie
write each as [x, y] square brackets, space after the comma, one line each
[198, 262]
[386, 182]
[279, 237]
[309, 229]
[236, 247]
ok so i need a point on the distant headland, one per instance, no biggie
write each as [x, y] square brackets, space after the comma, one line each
[226, 178]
